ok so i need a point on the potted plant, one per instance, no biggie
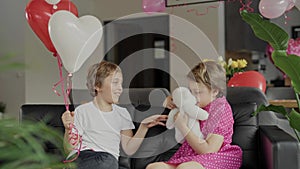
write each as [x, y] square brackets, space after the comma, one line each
[22, 145]
[289, 64]
[233, 66]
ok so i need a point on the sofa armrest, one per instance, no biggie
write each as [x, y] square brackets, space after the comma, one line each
[278, 148]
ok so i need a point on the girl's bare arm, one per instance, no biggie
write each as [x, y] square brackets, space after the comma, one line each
[211, 144]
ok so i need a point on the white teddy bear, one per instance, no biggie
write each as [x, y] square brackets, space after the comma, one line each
[186, 103]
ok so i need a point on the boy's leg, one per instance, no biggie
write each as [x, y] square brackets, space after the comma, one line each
[96, 160]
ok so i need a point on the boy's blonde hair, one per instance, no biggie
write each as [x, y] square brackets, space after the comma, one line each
[211, 74]
[97, 73]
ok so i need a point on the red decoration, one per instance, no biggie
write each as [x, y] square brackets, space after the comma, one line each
[248, 79]
[38, 13]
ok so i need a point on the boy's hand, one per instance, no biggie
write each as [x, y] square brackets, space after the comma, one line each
[67, 118]
[155, 120]
[168, 103]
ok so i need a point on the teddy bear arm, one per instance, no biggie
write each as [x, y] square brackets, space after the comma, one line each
[170, 120]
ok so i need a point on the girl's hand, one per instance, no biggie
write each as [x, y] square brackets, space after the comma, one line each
[67, 118]
[180, 120]
[168, 103]
[155, 120]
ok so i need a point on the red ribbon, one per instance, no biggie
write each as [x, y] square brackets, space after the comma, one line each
[62, 84]
[246, 6]
[74, 138]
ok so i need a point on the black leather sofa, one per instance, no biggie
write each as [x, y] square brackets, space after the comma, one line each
[264, 144]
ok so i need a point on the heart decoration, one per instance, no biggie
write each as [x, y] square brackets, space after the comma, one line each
[154, 5]
[75, 39]
[38, 13]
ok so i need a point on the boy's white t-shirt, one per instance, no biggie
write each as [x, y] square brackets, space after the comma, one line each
[100, 131]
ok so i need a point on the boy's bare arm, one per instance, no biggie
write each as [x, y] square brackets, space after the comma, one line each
[131, 143]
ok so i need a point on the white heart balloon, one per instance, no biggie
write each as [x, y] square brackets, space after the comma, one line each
[74, 39]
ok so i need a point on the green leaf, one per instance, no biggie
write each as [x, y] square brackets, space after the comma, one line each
[290, 65]
[278, 109]
[24, 143]
[266, 30]
[295, 119]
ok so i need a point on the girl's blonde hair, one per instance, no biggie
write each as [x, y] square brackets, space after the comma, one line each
[211, 74]
[97, 73]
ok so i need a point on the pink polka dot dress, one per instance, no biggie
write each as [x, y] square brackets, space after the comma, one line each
[220, 121]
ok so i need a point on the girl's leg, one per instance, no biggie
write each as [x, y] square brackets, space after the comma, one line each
[160, 165]
[190, 165]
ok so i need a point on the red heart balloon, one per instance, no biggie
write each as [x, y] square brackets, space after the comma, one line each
[38, 13]
[248, 79]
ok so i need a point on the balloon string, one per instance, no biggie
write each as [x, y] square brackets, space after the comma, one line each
[61, 82]
[74, 138]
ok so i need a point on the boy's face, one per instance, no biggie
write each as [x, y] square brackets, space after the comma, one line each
[112, 87]
[202, 93]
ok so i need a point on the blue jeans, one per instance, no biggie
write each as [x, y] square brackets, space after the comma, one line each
[89, 159]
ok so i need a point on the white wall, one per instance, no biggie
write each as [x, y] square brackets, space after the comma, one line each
[35, 85]
[211, 24]
[12, 86]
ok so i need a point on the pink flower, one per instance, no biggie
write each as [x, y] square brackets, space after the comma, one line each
[293, 48]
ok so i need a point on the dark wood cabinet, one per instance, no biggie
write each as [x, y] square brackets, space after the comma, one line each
[238, 34]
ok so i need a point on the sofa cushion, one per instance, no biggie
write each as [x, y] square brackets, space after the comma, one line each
[242, 114]
[244, 101]
[50, 114]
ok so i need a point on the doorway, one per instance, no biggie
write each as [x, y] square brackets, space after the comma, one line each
[140, 47]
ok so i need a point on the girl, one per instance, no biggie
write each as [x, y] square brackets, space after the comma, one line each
[102, 125]
[207, 84]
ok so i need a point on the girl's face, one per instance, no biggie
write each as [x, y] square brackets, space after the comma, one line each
[111, 88]
[202, 93]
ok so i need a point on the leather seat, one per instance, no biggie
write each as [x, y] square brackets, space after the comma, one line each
[264, 145]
